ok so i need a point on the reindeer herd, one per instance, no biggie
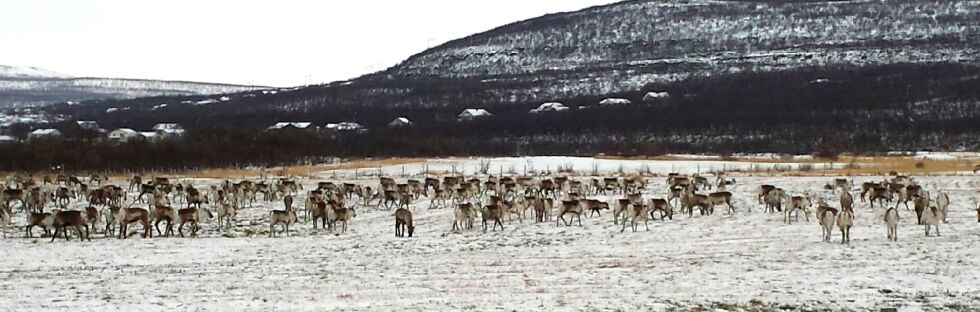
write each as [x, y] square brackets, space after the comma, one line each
[492, 200]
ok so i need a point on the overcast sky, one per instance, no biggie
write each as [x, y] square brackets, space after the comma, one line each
[276, 43]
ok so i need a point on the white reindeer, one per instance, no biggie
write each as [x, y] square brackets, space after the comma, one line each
[845, 220]
[891, 220]
[826, 216]
[942, 202]
[932, 216]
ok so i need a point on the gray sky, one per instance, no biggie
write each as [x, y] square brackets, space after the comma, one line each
[277, 43]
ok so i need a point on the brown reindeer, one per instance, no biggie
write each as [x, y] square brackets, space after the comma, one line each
[595, 206]
[403, 220]
[495, 213]
[164, 214]
[921, 203]
[542, 208]
[718, 198]
[11, 195]
[281, 217]
[192, 215]
[573, 207]
[763, 190]
[404, 200]
[662, 205]
[92, 217]
[42, 219]
[846, 201]
[194, 197]
[71, 218]
[319, 212]
[340, 215]
[691, 200]
[880, 194]
[868, 187]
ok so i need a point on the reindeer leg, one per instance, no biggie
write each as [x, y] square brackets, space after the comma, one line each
[54, 236]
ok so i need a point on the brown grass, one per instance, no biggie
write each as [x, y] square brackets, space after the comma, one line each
[300, 171]
[878, 165]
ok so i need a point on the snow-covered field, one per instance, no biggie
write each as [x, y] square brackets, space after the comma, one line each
[746, 260]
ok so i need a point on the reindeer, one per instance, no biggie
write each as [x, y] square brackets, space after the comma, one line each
[764, 190]
[391, 198]
[318, 211]
[634, 212]
[438, 198]
[340, 215]
[417, 189]
[386, 184]
[867, 187]
[879, 193]
[909, 193]
[45, 220]
[719, 198]
[492, 212]
[542, 208]
[10, 195]
[596, 206]
[227, 210]
[932, 217]
[192, 215]
[431, 182]
[194, 197]
[845, 220]
[573, 207]
[798, 203]
[64, 196]
[70, 218]
[135, 182]
[978, 213]
[281, 217]
[464, 214]
[677, 192]
[921, 204]
[403, 219]
[622, 205]
[774, 200]
[404, 200]
[691, 200]
[701, 182]
[942, 202]
[826, 217]
[846, 201]
[93, 217]
[659, 204]
[161, 214]
[891, 221]
[842, 184]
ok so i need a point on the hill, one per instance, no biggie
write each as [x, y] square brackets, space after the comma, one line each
[29, 86]
[733, 76]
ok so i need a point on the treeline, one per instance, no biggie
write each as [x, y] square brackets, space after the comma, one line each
[825, 110]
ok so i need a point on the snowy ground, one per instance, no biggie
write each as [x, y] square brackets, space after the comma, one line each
[746, 260]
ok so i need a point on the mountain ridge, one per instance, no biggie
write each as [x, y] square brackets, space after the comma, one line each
[22, 86]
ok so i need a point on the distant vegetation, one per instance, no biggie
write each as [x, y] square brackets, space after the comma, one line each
[825, 110]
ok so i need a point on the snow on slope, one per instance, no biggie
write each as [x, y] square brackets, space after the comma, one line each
[745, 259]
[28, 72]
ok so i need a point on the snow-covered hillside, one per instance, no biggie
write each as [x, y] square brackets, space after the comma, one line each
[29, 86]
[7, 71]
